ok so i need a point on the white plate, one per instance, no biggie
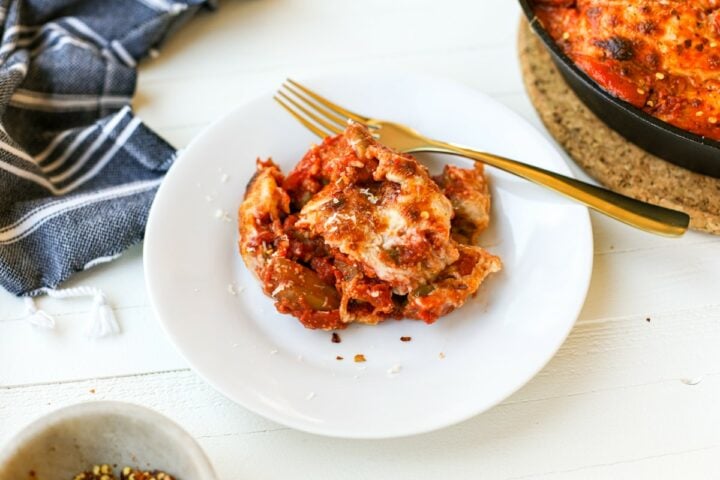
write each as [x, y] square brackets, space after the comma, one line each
[272, 365]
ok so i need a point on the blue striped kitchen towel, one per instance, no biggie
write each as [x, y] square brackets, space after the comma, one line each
[78, 170]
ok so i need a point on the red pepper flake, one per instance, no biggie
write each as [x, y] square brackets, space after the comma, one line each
[405, 339]
[359, 358]
[336, 338]
[105, 472]
[31, 473]
[339, 358]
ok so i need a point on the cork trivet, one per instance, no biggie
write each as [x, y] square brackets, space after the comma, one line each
[604, 154]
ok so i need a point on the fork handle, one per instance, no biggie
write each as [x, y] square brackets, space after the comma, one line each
[648, 217]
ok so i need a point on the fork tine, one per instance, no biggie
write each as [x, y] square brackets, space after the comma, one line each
[327, 103]
[310, 114]
[306, 123]
[341, 121]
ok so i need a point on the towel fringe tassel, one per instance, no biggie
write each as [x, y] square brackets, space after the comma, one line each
[38, 317]
[102, 319]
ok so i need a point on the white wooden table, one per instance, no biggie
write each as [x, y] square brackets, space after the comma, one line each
[633, 393]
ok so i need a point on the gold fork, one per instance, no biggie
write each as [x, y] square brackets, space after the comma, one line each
[324, 118]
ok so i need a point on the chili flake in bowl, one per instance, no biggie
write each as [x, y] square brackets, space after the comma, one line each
[65, 443]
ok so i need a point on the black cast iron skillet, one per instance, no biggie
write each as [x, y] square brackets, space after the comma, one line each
[680, 147]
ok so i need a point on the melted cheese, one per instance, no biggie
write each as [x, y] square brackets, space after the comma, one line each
[661, 56]
[379, 222]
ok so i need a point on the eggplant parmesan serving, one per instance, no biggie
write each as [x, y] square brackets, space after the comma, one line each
[357, 232]
[660, 56]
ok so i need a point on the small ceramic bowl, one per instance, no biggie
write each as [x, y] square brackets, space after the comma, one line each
[73, 439]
